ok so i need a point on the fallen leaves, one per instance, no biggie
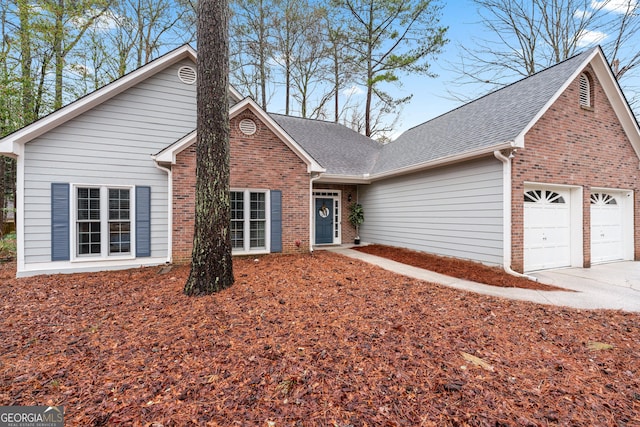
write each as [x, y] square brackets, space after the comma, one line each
[308, 340]
[456, 267]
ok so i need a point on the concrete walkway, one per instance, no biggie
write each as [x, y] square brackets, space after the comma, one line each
[608, 286]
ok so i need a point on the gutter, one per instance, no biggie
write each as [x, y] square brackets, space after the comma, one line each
[169, 210]
[506, 214]
[468, 155]
[311, 212]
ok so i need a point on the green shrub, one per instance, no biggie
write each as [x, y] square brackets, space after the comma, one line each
[8, 246]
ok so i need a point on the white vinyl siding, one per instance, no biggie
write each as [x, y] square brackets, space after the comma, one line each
[453, 211]
[111, 144]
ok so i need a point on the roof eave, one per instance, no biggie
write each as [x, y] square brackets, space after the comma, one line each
[312, 164]
[168, 155]
[443, 161]
[612, 90]
[8, 148]
[96, 98]
[334, 178]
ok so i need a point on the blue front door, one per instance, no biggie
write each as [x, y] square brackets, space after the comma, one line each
[324, 221]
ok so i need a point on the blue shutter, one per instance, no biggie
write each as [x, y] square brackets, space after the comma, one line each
[143, 221]
[276, 221]
[60, 250]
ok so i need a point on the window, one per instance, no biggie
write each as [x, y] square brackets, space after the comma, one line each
[603, 199]
[585, 91]
[249, 227]
[237, 220]
[543, 196]
[88, 221]
[119, 221]
[103, 221]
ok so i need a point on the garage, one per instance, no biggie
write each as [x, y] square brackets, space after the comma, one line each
[607, 222]
[547, 229]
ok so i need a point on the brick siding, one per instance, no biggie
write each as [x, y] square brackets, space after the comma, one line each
[260, 161]
[572, 145]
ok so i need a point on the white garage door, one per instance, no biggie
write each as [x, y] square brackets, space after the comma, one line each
[606, 227]
[547, 229]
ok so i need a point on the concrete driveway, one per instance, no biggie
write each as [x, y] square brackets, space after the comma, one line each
[614, 285]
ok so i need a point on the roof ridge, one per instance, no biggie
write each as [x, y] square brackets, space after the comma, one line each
[503, 88]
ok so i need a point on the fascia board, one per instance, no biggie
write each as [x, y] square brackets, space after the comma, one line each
[96, 98]
[312, 165]
[469, 155]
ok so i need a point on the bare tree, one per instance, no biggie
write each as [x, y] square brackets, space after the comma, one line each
[526, 36]
[252, 38]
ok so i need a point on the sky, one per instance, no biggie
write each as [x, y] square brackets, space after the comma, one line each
[431, 96]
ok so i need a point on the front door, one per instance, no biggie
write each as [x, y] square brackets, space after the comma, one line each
[324, 221]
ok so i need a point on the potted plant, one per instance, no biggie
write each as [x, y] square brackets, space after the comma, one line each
[356, 218]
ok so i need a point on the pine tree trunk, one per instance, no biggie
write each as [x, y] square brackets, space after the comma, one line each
[211, 265]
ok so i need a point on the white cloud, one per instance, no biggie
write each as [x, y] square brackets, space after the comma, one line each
[105, 22]
[590, 38]
[582, 14]
[618, 6]
[353, 91]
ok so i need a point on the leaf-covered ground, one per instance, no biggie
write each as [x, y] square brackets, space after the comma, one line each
[455, 267]
[309, 340]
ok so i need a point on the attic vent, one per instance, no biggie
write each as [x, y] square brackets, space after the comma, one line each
[585, 91]
[187, 75]
[247, 126]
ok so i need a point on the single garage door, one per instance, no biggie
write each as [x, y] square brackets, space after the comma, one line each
[606, 227]
[547, 229]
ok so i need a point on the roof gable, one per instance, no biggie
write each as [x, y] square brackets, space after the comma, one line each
[495, 121]
[168, 155]
[9, 144]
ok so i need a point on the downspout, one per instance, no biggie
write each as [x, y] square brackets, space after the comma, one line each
[311, 212]
[506, 215]
[169, 211]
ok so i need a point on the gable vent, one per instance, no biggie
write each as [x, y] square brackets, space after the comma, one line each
[247, 126]
[585, 91]
[187, 75]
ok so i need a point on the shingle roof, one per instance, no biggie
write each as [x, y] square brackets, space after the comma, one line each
[493, 119]
[340, 150]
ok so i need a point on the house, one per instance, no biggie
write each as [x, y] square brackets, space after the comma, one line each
[539, 174]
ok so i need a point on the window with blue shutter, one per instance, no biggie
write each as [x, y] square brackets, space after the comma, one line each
[60, 222]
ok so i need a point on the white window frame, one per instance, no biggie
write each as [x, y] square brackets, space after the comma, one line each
[246, 249]
[104, 223]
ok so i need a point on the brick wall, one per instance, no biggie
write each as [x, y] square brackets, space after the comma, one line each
[572, 145]
[259, 161]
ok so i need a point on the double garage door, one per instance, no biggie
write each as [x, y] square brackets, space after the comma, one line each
[548, 228]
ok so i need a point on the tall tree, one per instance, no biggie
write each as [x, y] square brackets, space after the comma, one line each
[69, 22]
[390, 37]
[252, 36]
[211, 265]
